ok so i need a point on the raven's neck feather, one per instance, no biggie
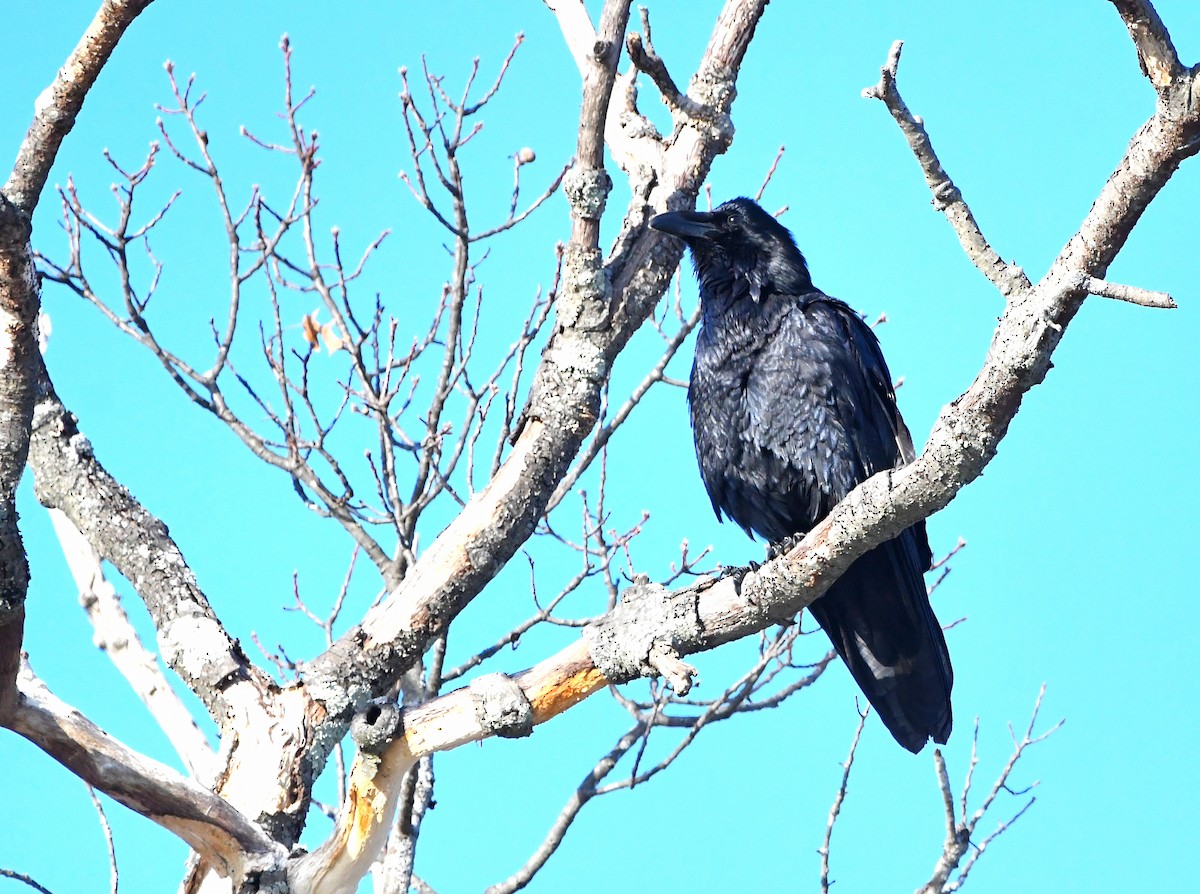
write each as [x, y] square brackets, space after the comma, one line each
[725, 281]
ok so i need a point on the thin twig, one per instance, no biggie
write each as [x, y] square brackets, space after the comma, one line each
[838, 800]
[22, 877]
[957, 855]
[108, 839]
[770, 173]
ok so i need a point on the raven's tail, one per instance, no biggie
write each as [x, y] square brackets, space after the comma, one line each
[880, 621]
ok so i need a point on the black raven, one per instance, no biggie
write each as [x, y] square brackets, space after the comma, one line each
[792, 405]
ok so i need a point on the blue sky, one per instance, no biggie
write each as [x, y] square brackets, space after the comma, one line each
[1080, 567]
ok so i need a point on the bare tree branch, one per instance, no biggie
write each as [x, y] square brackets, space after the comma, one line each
[19, 301]
[114, 876]
[1132, 294]
[393, 874]
[204, 820]
[276, 739]
[770, 173]
[59, 104]
[947, 198]
[116, 636]
[242, 699]
[54, 116]
[646, 58]
[439, 725]
[838, 800]
[580, 797]
[21, 877]
[1156, 52]
[960, 829]
[192, 640]
[577, 29]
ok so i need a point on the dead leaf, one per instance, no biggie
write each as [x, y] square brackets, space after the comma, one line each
[311, 329]
[333, 341]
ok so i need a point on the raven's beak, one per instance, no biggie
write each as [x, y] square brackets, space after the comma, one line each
[685, 224]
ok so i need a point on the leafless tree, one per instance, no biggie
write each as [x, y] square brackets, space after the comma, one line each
[503, 440]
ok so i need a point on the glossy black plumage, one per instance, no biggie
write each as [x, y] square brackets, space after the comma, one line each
[792, 405]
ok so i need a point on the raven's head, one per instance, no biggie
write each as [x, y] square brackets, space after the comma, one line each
[739, 244]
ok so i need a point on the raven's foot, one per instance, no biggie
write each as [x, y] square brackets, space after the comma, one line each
[782, 547]
[739, 572]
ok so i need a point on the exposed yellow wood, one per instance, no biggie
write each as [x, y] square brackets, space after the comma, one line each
[561, 681]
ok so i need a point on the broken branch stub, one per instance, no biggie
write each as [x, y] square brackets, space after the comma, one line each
[647, 623]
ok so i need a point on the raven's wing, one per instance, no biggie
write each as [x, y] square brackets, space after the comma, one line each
[820, 397]
[822, 405]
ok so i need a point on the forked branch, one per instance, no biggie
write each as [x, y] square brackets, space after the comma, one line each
[962, 848]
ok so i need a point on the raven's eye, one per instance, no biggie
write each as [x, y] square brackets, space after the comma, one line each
[731, 219]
